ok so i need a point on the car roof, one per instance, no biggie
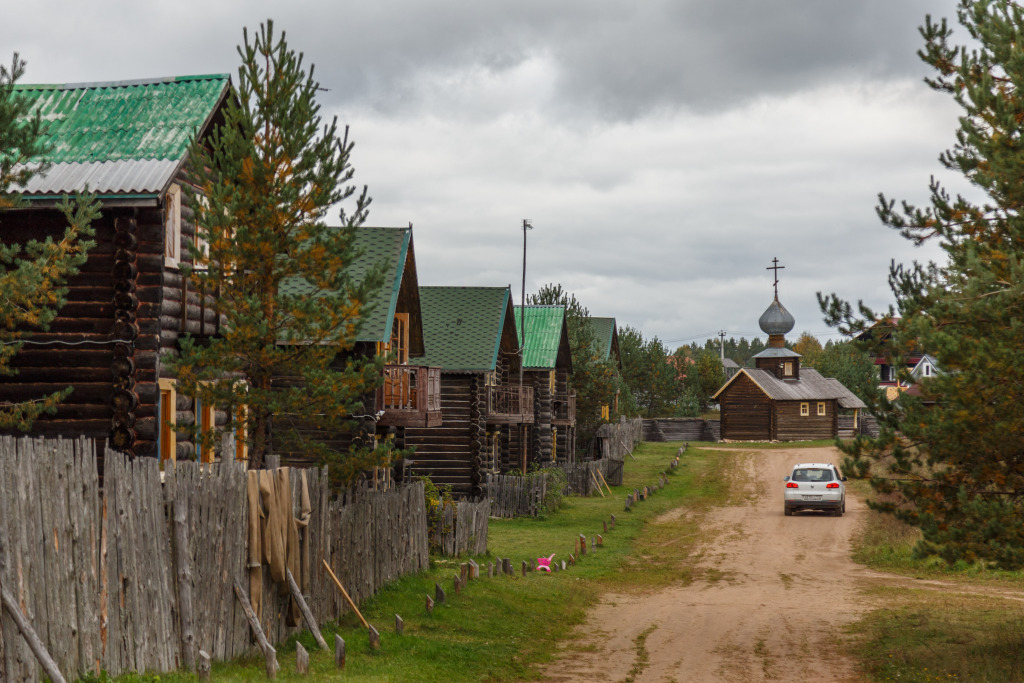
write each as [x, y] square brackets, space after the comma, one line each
[815, 464]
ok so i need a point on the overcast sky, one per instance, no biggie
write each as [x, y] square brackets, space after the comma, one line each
[664, 150]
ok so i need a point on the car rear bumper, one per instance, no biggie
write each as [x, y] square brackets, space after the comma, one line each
[813, 504]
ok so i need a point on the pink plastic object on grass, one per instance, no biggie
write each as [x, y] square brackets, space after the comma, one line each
[544, 563]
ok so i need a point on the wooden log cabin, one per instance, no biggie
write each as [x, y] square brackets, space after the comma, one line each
[128, 143]
[777, 400]
[470, 333]
[547, 365]
[392, 323]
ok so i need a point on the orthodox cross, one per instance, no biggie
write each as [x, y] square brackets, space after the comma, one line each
[776, 267]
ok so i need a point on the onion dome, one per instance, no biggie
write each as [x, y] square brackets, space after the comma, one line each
[776, 320]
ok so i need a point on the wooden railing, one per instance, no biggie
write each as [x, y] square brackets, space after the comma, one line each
[563, 408]
[410, 396]
[510, 404]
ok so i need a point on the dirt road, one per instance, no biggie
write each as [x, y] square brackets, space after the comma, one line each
[773, 595]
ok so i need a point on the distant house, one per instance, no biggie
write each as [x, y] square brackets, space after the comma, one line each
[392, 324]
[547, 363]
[777, 400]
[888, 375]
[470, 333]
[729, 367]
[128, 142]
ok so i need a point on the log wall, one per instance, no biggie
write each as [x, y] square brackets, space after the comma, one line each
[792, 426]
[747, 413]
[124, 313]
[451, 455]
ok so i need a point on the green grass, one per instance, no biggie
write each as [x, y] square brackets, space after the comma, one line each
[505, 628]
[964, 622]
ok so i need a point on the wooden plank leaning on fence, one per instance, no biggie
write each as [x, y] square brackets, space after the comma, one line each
[304, 609]
[269, 653]
[29, 634]
[345, 593]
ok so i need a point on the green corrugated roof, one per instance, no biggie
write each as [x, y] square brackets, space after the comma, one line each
[462, 326]
[603, 329]
[377, 246]
[127, 120]
[544, 325]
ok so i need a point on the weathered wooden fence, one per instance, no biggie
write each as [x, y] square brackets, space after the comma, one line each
[516, 495]
[616, 439]
[583, 478]
[107, 584]
[462, 528]
[680, 429]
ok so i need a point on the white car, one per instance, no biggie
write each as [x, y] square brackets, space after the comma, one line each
[815, 486]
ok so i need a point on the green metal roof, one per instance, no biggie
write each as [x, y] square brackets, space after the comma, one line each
[544, 327]
[604, 333]
[386, 247]
[462, 326]
[126, 120]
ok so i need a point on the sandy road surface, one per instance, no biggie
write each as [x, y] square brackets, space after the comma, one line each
[774, 594]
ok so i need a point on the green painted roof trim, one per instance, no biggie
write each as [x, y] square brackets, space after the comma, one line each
[462, 326]
[544, 327]
[125, 120]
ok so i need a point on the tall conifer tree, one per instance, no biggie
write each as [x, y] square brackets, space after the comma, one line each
[33, 276]
[276, 271]
[951, 461]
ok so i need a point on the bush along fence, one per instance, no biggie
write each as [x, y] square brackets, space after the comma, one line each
[460, 527]
[159, 566]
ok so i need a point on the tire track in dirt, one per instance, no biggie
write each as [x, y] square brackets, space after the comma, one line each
[771, 596]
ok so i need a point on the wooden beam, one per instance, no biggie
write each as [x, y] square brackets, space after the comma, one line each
[345, 593]
[304, 609]
[30, 636]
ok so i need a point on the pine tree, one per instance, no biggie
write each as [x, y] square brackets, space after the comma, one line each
[277, 271]
[951, 461]
[33, 276]
[648, 374]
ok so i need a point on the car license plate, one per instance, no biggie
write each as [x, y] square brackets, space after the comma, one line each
[812, 497]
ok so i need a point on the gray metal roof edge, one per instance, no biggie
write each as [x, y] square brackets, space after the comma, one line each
[122, 84]
[774, 352]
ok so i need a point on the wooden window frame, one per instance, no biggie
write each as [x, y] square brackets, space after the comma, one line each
[167, 438]
[822, 410]
[172, 226]
[399, 342]
[206, 423]
[805, 409]
[787, 369]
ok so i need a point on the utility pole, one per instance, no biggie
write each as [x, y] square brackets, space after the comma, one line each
[522, 347]
[522, 316]
[721, 345]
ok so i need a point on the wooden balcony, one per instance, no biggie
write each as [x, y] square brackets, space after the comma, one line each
[563, 409]
[509, 404]
[410, 397]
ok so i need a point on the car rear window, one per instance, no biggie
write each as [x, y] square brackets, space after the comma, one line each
[812, 474]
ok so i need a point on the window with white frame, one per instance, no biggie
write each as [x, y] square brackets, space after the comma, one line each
[805, 409]
[172, 226]
[821, 408]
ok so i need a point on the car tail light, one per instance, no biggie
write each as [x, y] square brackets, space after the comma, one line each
[791, 485]
[833, 485]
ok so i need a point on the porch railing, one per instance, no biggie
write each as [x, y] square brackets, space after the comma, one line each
[410, 389]
[510, 403]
